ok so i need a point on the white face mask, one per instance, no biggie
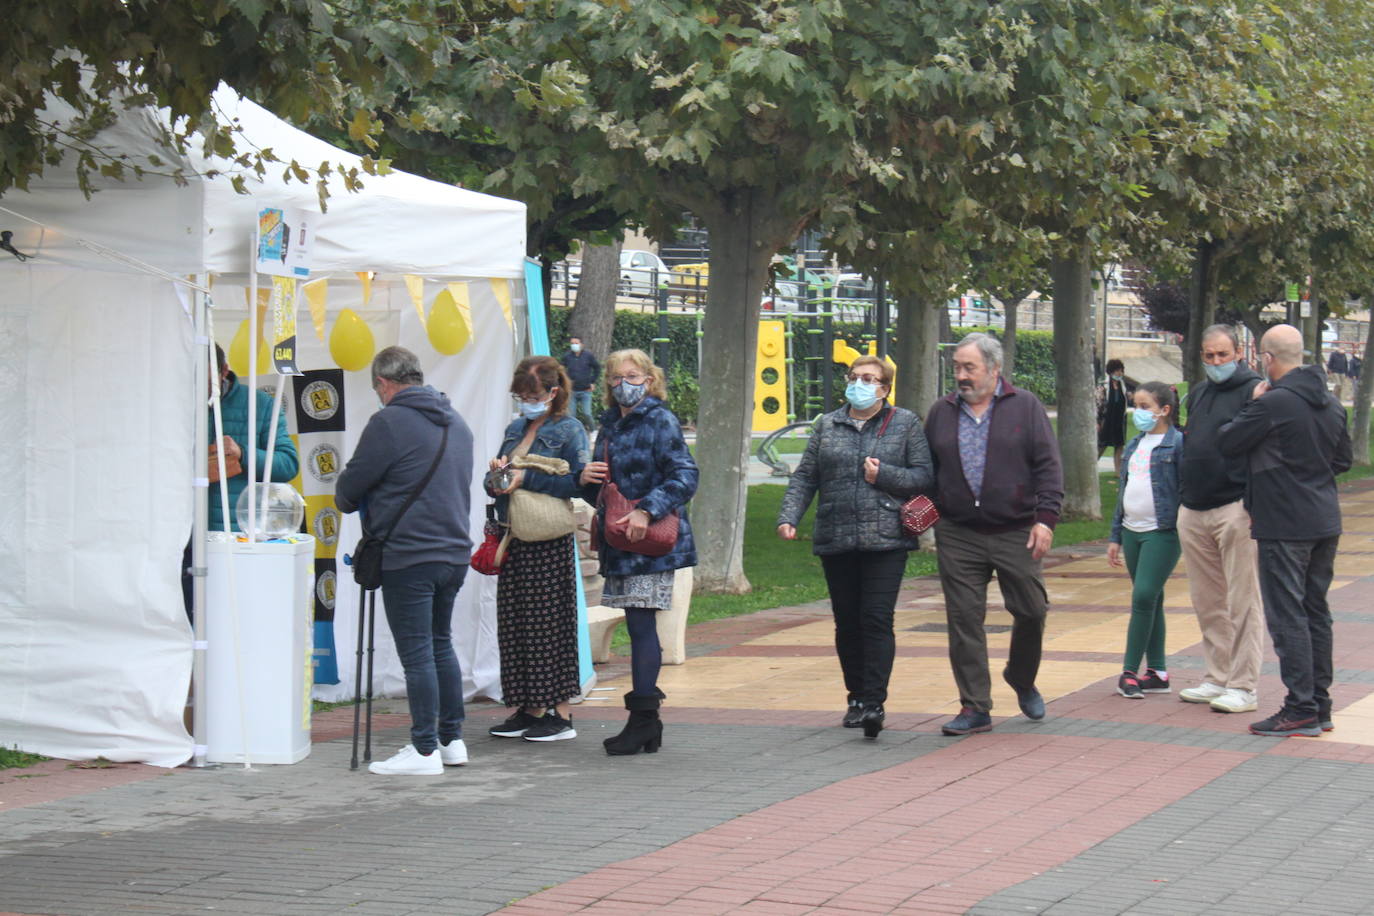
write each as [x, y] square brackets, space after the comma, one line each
[576, 348]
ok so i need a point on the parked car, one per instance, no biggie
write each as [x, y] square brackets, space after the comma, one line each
[642, 273]
[784, 296]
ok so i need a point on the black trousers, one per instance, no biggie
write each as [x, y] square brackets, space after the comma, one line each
[1294, 578]
[863, 588]
[967, 561]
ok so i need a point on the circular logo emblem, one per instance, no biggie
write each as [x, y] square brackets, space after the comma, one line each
[320, 400]
[324, 589]
[324, 462]
[326, 526]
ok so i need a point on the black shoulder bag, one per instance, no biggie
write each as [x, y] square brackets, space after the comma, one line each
[367, 556]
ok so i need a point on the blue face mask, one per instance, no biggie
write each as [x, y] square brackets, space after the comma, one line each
[1220, 373]
[861, 395]
[1143, 419]
[533, 411]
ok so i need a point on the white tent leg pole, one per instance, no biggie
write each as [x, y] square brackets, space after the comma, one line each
[272, 441]
[204, 341]
[253, 330]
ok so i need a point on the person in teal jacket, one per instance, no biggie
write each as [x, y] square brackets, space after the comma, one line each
[234, 409]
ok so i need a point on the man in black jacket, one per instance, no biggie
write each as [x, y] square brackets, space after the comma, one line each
[1214, 531]
[583, 371]
[1337, 368]
[999, 486]
[1293, 436]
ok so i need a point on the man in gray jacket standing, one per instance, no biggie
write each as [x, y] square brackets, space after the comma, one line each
[426, 555]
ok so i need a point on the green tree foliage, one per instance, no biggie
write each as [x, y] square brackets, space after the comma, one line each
[294, 56]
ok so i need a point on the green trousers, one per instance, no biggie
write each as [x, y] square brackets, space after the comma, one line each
[1150, 558]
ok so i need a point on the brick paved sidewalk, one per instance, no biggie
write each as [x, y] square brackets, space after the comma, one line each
[758, 803]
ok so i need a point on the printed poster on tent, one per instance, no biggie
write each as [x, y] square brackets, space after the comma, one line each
[285, 236]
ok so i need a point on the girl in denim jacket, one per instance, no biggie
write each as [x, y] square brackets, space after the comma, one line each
[1144, 530]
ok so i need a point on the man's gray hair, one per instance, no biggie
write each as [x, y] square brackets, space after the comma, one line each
[1227, 329]
[397, 364]
[990, 348]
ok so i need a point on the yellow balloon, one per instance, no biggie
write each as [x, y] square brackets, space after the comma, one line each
[448, 332]
[238, 353]
[351, 343]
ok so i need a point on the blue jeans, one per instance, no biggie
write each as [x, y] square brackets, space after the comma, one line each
[582, 408]
[419, 610]
[1294, 579]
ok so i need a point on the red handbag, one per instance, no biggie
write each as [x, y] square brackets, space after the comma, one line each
[658, 540]
[487, 558]
[918, 513]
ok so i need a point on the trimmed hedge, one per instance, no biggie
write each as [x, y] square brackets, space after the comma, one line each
[1034, 371]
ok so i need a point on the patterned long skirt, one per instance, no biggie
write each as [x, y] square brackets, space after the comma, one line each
[536, 623]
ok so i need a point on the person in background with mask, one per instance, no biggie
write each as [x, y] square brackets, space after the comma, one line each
[999, 485]
[583, 370]
[1144, 530]
[1113, 399]
[1214, 532]
[863, 460]
[641, 449]
[536, 594]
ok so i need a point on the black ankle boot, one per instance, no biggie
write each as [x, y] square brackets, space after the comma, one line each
[644, 731]
[872, 720]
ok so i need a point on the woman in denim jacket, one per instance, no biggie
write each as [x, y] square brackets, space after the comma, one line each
[1145, 530]
[641, 449]
[536, 593]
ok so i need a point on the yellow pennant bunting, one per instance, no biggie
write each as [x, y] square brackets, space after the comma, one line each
[365, 278]
[416, 287]
[459, 292]
[317, 295]
[501, 287]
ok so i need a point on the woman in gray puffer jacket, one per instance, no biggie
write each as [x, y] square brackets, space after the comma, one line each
[864, 460]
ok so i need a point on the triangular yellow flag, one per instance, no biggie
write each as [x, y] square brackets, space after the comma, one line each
[316, 294]
[459, 292]
[501, 287]
[416, 287]
[365, 278]
[263, 296]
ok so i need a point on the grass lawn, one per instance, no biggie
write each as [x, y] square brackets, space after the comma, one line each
[11, 759]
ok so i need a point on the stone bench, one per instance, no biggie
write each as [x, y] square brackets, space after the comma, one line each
[672, 623]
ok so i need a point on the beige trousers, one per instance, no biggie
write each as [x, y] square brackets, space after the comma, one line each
[1224, 583]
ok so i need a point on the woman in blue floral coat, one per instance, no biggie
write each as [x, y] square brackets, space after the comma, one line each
[640, 448]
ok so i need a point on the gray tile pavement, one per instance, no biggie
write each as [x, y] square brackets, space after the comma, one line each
[317, 838]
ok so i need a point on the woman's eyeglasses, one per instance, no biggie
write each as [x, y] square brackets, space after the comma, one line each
[632, 379]
[866, 379]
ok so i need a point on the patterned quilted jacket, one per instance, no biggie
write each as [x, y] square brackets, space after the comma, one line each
[852, 514]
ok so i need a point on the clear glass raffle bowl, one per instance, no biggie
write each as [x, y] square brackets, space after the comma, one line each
[285, 509]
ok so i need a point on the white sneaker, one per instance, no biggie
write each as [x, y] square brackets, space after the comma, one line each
[409, 762]
[454, 754]
[1235, 700]
[1205, 692]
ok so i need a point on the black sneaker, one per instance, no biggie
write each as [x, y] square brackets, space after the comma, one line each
[552, 727]
[515, 726]
[853, 714]
[1128, 685]
[1286, 723]
[1154, 682]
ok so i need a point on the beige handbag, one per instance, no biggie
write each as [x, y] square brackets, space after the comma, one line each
[539, 516]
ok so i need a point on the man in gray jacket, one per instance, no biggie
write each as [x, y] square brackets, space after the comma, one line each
[426, 554]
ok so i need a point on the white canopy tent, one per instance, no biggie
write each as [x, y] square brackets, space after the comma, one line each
[98, 427]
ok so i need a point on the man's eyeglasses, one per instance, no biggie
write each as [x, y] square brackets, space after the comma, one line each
[866, 379]
[632, 379]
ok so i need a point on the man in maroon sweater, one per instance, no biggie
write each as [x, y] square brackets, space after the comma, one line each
[999, 486]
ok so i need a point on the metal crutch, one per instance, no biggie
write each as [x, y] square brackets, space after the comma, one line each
[371, 648]
[358, 681]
